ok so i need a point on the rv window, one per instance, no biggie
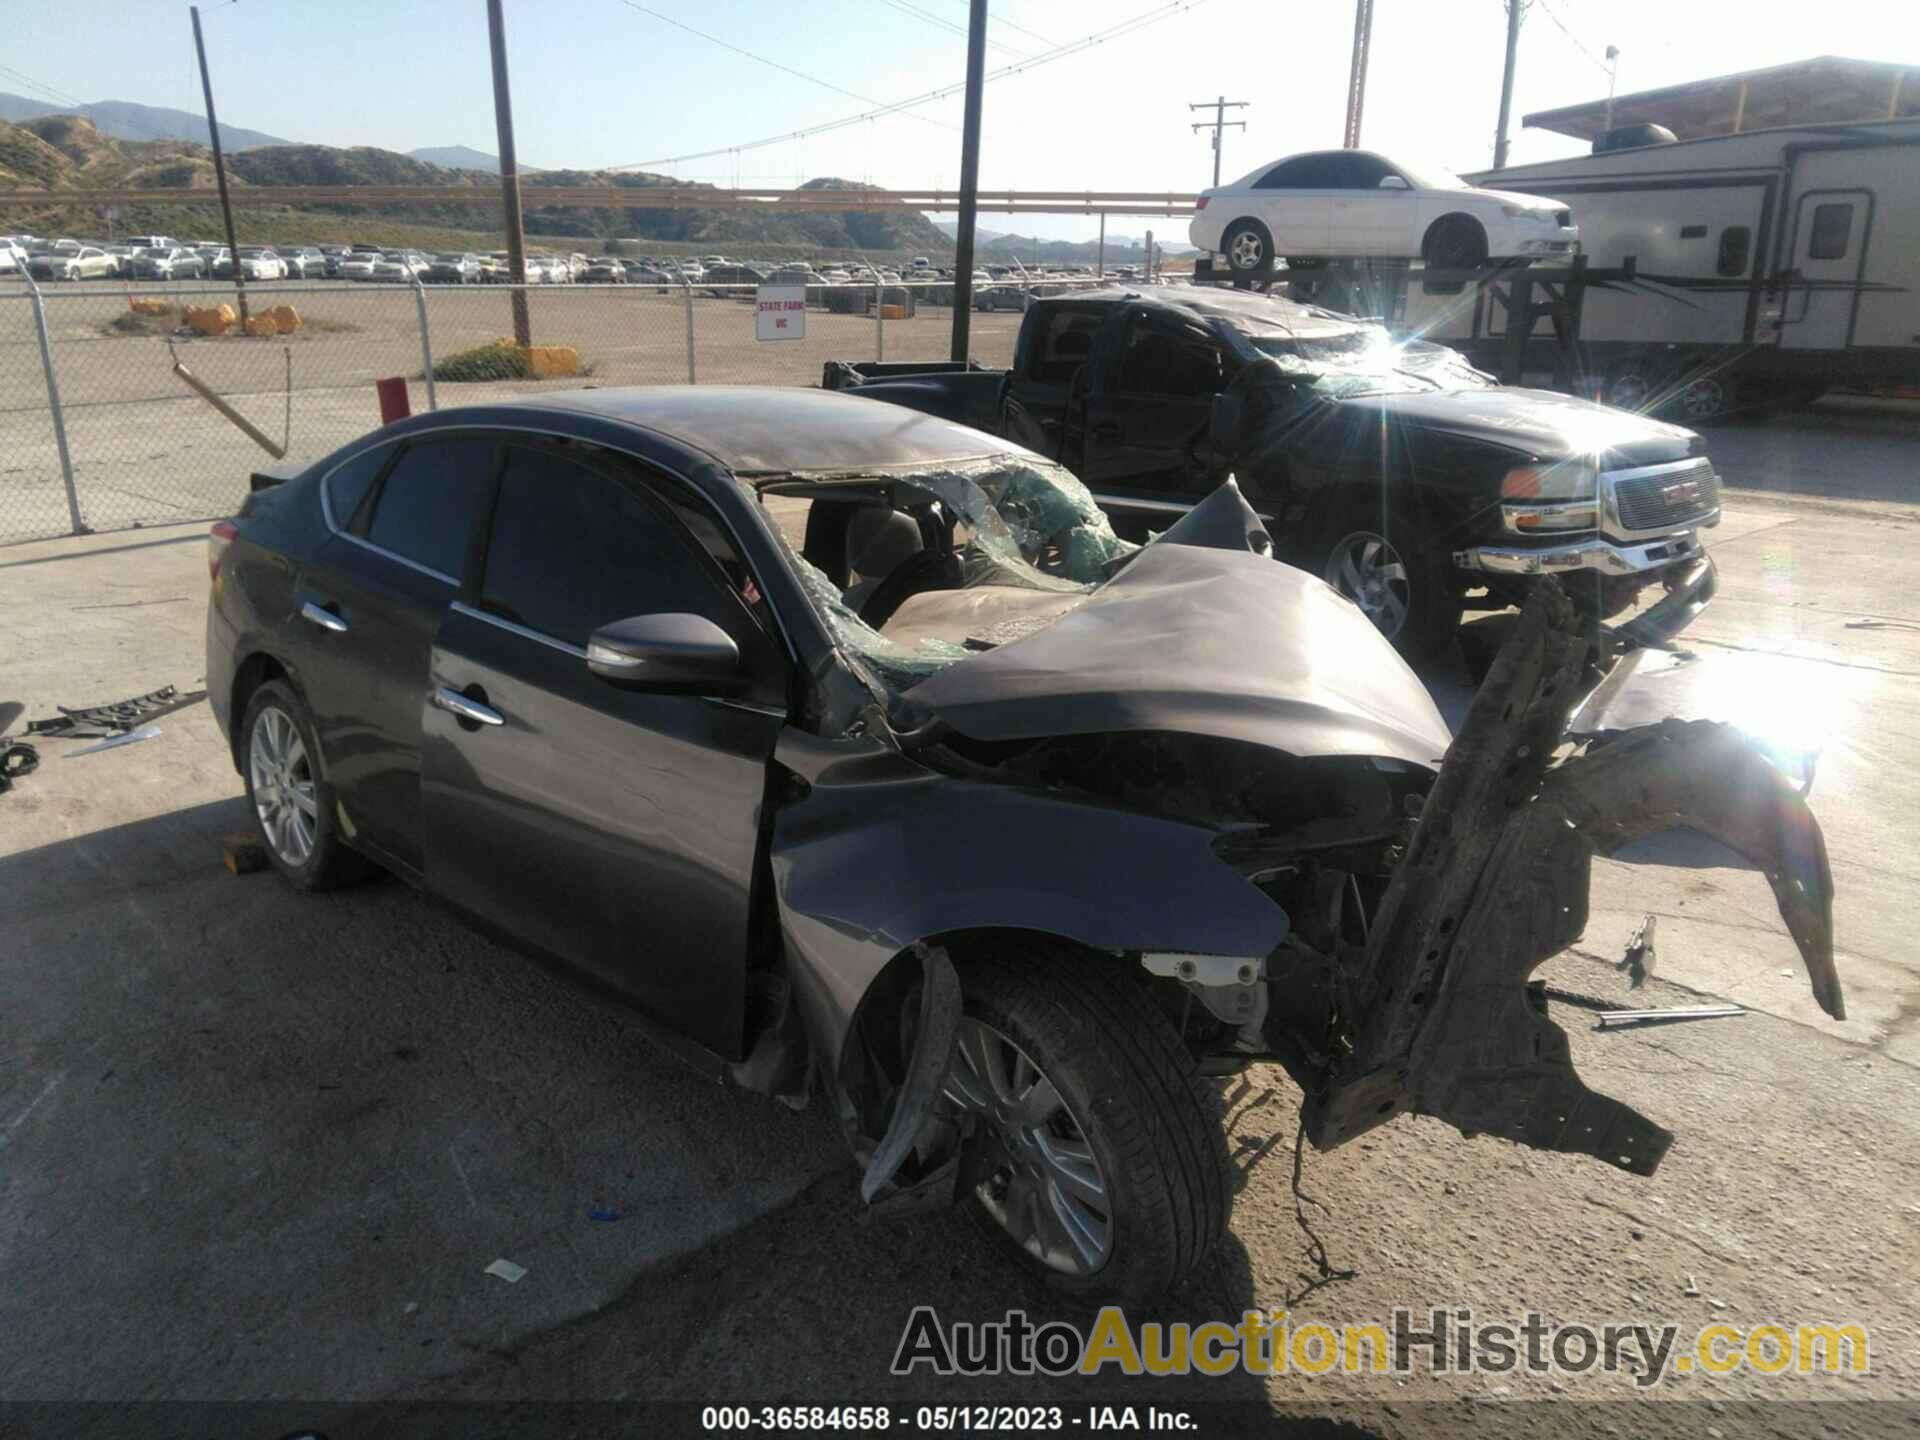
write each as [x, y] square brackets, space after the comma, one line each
[1832, 225]
[1735, 244]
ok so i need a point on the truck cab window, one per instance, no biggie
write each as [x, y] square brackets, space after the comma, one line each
[1065, 343]
[1159, 362]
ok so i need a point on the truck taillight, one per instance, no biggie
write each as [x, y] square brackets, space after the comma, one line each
[219, 538]
[1199, 204]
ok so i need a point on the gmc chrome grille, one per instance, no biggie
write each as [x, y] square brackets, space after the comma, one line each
[1670, 497]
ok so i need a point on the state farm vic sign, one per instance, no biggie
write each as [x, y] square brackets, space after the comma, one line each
[780, 313]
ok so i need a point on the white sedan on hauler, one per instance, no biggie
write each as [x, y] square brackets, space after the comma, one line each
[1354, 202]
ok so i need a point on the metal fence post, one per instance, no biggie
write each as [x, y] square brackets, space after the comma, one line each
[426, 343]
[53, 404]
[692, 378]
[879, 318]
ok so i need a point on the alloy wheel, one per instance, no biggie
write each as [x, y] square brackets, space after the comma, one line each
[1247, 252]
[1364, 567]
[283, 789]
[1705, 398]
[1629, 390]
[1034, 1170]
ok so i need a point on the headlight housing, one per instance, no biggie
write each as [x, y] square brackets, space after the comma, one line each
[1576, 479]
[1525, 212]
[1552, 498]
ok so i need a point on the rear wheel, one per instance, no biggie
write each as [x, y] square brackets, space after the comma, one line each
[293, 805]
[1378, 557]
[1248, 246]
[1096, 1160]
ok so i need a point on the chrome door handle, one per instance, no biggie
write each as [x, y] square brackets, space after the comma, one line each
[459, 706]
[324, 618]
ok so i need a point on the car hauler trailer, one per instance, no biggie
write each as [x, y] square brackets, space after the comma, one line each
[1766, 267]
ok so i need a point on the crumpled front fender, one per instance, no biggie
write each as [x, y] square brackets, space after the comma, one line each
[1443, 1021]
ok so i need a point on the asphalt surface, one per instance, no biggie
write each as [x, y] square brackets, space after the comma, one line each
[261, 1146]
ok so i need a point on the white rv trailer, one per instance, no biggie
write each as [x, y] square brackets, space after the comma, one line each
[1769, 265]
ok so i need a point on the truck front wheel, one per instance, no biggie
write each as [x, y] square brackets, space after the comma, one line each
[1096, 1158]
[1378, 557]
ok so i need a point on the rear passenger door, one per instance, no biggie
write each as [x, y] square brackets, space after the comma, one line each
[1056, 342]
[614, 829]
[402, 516]
[1295, 201]
[1149, 417]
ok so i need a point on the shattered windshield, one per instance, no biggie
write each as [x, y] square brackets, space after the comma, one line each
[1367, 361]
[916, 567]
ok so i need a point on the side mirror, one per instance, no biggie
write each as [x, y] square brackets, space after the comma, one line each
[668, 653]
[1393, 182]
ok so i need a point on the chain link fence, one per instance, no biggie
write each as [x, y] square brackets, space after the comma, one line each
[101, 430]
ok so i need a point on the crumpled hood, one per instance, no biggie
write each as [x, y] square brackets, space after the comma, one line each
[1204, 642]
[1544, 425]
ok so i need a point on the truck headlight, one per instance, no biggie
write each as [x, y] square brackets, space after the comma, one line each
[1577, 479]
[1553, 498]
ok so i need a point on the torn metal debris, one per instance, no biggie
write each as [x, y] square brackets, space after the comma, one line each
[1639, 958]
[1621, 1019]
[88, 722]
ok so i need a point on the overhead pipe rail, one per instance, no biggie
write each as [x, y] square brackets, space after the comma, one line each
[638, 197]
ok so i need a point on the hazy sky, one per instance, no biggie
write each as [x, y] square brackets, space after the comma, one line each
[602, 83]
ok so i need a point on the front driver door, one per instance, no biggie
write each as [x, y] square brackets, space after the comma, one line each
[613, 829]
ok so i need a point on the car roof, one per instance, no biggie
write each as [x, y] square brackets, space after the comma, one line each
[759, 431]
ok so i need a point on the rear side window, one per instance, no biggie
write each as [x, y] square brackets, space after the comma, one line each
[432, 496]
[347, 484]
[1303, 172]
[1063, 345]
[573, 549]
[1160, 362]
[1832, 225]
[1736, 242]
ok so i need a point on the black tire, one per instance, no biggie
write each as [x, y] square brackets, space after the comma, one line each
[1137, 1101]
[328, 862]
[1428, 595]
[1455, 242]
[1248, 246]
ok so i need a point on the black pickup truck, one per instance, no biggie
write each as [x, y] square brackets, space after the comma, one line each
[1410, 481]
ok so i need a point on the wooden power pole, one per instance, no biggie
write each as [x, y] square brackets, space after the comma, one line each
[509, 175]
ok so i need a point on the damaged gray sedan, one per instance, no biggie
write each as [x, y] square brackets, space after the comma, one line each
[856, 751]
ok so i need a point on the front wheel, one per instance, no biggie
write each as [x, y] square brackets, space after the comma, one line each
[1458, 242]
[1381, 559]
[1096, 1158]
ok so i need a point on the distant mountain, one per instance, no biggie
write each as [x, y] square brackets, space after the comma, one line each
[69, 154]
[124, 120]
[458, 157]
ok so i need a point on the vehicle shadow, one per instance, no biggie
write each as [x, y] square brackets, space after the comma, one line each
[327, 1114]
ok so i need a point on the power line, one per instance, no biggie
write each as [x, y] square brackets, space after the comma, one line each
[1112, 32]
[1009, 25]
[914, 10]
[787, 69]
[1561, 27]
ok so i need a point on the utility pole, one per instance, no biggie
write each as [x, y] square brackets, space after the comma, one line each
[509, 174]
[1514, 10]
[969, 181]
[1218, 123]
[220, 168]
[1357, 74]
